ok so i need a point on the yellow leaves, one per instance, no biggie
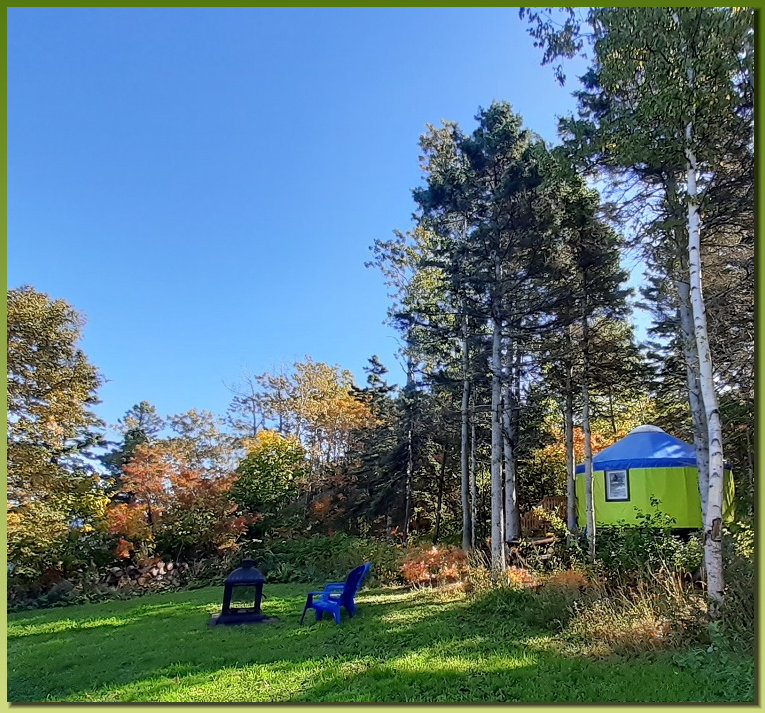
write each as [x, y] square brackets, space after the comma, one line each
[92, 501]
[13, 521]
[317, 404]
[271, 446]
[554, 454]
[268, 439]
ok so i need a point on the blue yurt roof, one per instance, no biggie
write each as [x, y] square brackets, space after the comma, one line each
[644, 447]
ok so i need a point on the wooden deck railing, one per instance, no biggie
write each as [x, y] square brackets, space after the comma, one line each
[534, 523]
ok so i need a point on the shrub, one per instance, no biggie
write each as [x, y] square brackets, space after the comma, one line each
[434, 565]
[552, 607]
[209, 571]
[326, 558]
[266, 478]
[519, 577]
[652, 542]
[549, 609]
[193, 517]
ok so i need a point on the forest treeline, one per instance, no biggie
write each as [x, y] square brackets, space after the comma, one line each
[519, 347]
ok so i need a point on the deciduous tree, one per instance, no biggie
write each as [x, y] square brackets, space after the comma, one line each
[53, 489]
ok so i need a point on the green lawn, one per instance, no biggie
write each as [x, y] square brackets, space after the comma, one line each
[402, 646]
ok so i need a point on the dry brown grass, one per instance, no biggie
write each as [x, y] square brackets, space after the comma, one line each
[659, 612]
[570, 580]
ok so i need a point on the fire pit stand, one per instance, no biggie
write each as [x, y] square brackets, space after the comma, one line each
[246, 576]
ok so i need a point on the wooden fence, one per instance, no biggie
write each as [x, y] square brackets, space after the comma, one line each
[533, 523]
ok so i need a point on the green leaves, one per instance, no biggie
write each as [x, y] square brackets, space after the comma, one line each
[51, 386]
[266, 478]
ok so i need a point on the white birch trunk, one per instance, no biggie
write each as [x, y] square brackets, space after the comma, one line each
[713, 518]
[699, 420]
[497, 539]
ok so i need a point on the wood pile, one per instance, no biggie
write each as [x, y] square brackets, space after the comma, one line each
[153, 573]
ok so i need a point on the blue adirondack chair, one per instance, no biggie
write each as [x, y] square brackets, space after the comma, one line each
[337, 594]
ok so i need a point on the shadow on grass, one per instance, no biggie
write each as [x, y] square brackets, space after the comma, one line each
[44, 625]
[402, 646]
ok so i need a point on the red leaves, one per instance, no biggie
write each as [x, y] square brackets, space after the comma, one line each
[124, 549]
[434, 565]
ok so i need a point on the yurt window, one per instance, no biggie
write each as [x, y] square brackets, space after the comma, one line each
[617, 485]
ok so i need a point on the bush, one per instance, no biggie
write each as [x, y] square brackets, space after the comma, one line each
[434, 565]
[568, 580]
[651, 543]
[266, 478]
[64, 593]
[657, 609]
[545, 608]
[519, 577]
[316, 559]
[324, 558]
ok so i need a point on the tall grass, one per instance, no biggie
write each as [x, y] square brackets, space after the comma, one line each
[661, 610]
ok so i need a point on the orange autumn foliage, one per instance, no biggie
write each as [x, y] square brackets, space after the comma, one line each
[434, 565]
[174, 506]
[520, 577]
[554, 454]
[124, 549]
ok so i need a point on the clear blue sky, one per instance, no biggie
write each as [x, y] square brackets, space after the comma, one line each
[204, 184]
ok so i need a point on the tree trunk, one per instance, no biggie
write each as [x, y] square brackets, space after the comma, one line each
[589, 500]
[699, 419]
[611, 410]
[512, 516]
[409, 448]
[473, 482]
[497, 539]
[408, 494]
[568, 437]
[464, 445]
[750, 469]
[440, 500]
[713, 522]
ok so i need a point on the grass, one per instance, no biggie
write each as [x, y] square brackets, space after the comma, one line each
[403, 646]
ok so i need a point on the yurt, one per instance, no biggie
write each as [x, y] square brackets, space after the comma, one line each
[647, 463]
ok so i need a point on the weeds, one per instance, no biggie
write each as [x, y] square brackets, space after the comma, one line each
[434, 565]
[659, 611]
[737, 624]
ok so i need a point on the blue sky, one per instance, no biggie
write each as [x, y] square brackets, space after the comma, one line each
[204, 184]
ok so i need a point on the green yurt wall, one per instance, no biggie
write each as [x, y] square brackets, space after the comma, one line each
[647, 464]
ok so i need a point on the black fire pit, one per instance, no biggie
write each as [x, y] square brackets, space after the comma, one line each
[245, 576]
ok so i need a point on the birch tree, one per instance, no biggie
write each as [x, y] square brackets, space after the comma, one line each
[665, 92]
